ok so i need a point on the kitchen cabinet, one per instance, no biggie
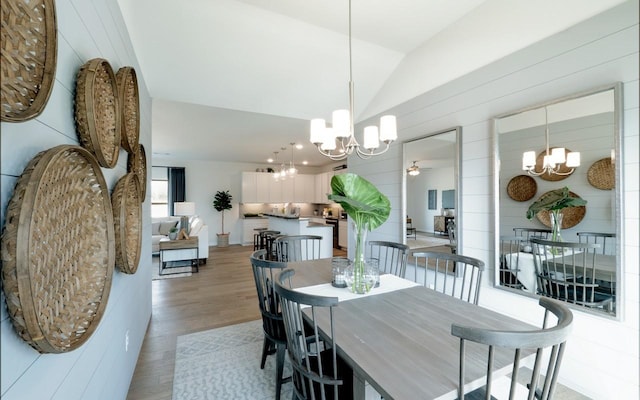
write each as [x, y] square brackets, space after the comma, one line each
[343, 232]
[304, 189]
[288, 192]
[323, 186]
[248, 193]
[263, 181]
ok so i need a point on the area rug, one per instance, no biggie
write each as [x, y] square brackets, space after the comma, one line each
[176, 272]
[224, 363]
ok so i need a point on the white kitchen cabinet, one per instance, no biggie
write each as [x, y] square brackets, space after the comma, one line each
[288, 192]
[323, 187]
[343, 232]
[248, 192]
[263, 181]
[304, 189]
[275, 192]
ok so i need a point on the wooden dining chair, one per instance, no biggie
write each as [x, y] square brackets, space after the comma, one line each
[550, 337]
[391, 257]
[297, 247]
[275, 341]
[453, 274]
[510, 249]
[567, 271]
[318, 372]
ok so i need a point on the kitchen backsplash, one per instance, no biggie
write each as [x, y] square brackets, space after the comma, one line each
[306, 209]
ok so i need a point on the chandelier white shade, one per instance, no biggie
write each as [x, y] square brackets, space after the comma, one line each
[553, 159]
[338, 140]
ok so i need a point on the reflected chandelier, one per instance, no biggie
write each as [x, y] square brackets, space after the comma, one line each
[342, 129]
[413, 170]
[554, 158]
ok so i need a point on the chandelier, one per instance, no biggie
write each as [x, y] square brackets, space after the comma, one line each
[554, 159]
[285, 172]
[413, 170]
[338, 141]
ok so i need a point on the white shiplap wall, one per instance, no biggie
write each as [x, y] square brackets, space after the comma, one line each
[100, 368]
[602, 358]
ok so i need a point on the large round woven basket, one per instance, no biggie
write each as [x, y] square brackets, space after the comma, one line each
[130, 108]
[552, 177]
[97, 111]
[28, 57]
[602, 174]
[127, 217]
[58, 249]
[522, 188]
[137, 163]
[571, 216]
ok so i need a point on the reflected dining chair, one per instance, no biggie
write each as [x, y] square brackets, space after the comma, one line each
[391, 257]
[529, 233]
[510, 248]
[453, 274]
[607, 241]
[411, 231]
[451, 231]
[297, 247]
[551, 338]
[567, 271]
[318, 372]
[275, 341]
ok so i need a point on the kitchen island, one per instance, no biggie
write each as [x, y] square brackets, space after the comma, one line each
[293, 225]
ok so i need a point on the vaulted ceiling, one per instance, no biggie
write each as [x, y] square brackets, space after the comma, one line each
[235, 80]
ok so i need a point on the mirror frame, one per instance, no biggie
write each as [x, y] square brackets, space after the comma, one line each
[457, 167]
[619, 195]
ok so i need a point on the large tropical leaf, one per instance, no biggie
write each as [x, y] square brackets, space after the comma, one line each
[554, 200]
[361, 200]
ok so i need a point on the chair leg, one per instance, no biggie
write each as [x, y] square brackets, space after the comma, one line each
[265, 352]
[279, 368]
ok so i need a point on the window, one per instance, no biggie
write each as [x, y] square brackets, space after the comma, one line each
[159, 192]
[432, 196]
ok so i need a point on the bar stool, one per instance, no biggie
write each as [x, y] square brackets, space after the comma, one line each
[256, 238]
[266, 241]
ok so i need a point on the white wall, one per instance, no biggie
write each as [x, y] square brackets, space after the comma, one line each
[602, 358]
[100, 368]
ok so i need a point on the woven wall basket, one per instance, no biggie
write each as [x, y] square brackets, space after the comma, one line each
[602, 174]
[58, 250]
[522, 188]
[97, 111]
[28, 57]
[137, 163]
[571, 216]
[127, 217]
[130, 108]
[552, 177]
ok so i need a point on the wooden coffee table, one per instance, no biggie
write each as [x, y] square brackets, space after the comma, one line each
[178, 253]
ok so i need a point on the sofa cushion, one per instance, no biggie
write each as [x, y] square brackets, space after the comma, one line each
[155, 228]
[196, 225]
[165, 227]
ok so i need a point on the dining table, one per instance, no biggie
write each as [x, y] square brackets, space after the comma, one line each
[397, 338]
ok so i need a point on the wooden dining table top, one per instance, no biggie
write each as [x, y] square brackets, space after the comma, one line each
[400, 342]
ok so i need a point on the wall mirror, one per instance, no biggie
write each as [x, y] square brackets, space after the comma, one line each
[436, 157]
[587, 123]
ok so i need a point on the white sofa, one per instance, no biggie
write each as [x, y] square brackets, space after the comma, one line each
[160, 229]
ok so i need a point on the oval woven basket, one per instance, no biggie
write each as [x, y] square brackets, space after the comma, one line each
[127, 218]
[28, 57]
[130, 108]
[602, 174]
[522, 188]
[137, 163]
[58, 249]
[552, 177]
[571, 215]
[97, 111]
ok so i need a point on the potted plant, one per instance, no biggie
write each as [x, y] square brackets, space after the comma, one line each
[222, 202]
[554, 202]
[368, 209]
[173, 233]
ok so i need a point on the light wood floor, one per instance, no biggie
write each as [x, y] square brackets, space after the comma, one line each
[222, 293]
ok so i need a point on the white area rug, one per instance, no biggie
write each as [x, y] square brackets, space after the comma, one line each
[177, 272]
[426, 242]
[224, 363]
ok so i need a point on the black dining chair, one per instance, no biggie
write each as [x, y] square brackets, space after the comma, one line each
[567, 271]
[453, 274]
[318, 372]
[549, 337]
[391, 257]
[275, 341]
[290, 248]
[510, 249]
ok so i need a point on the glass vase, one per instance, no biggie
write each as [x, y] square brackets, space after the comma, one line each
[556, 225]
[361, 276]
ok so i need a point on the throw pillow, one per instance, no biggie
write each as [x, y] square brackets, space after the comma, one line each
[155, 228]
